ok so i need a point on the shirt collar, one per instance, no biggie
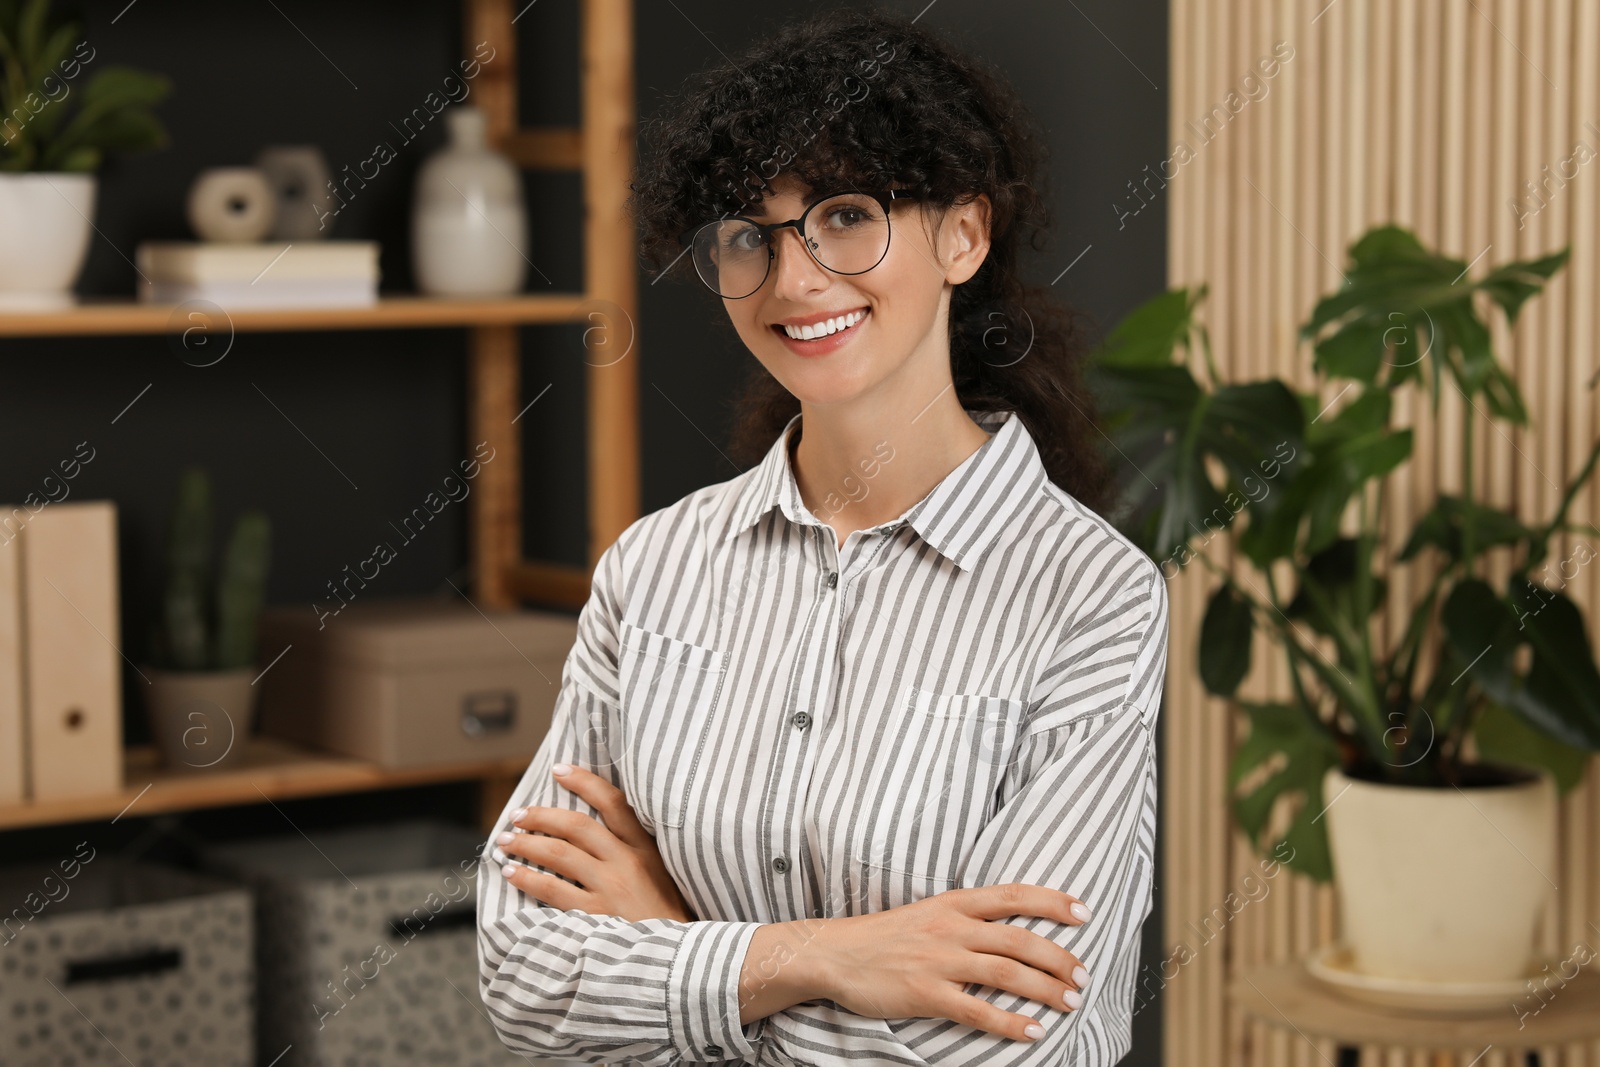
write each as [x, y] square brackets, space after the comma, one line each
[960, 517]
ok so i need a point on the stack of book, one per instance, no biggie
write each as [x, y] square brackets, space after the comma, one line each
[259, 273]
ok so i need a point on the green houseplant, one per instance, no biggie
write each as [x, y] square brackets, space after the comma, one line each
[1508, 665]
[203, 641]
[59, 118]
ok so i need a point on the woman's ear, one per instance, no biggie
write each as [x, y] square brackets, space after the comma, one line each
[964, 238]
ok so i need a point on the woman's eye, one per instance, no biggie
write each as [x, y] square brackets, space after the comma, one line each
[747, 240]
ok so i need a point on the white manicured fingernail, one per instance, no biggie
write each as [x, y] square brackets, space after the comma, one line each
[1073, 998]
[1081, 912]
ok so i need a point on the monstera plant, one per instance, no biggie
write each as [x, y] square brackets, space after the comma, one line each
[1298, 485]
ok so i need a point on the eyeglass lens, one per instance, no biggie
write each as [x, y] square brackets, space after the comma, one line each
[848, 234]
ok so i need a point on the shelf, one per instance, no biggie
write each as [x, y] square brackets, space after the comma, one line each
[1564, 1013]
[272, 770]
[550, 583]
[106, 315]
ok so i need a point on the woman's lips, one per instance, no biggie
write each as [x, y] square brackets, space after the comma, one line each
[821, 346]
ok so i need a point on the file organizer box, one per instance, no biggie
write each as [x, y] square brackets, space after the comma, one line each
[149, 964]
[368, 950]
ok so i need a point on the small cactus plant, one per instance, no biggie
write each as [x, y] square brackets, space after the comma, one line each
[204, 623]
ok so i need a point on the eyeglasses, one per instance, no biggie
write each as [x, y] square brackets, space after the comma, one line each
[733, 256]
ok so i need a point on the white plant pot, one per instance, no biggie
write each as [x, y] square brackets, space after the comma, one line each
[1442, 885]
[44, 237]
[201, 720]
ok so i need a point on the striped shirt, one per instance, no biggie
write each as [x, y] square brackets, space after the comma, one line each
[964, 696]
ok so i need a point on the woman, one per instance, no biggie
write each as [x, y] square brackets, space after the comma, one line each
[848, 742]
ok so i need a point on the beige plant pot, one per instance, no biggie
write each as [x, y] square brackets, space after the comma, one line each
[1443, 885]
[201, 720]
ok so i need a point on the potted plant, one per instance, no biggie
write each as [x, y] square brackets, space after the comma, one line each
[56, 125]
[201, 696]
[1424, 763]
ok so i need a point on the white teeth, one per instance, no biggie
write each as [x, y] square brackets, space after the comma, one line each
[822, 329]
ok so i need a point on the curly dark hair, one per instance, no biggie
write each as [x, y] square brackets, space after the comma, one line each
[865, 99]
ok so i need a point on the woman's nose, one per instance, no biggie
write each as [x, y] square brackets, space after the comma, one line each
[796, 269]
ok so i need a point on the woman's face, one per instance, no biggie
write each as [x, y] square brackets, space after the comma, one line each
[902, 343]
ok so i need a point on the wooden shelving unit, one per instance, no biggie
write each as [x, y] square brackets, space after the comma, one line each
[601, 148]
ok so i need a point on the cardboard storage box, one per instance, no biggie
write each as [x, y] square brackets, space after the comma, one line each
[368, 949]
[107, 961]
[413, 682]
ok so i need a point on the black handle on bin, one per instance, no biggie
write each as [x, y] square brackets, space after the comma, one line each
[453, 919]
[130, 965]
[488, 712]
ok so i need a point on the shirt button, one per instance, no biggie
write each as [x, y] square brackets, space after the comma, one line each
[714, 1050]
[780, 865]
[801, 719]
[833, 579]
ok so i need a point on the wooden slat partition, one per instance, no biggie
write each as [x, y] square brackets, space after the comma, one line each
[1432, 114]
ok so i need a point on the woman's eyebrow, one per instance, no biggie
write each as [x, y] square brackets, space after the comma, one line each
[762, 216]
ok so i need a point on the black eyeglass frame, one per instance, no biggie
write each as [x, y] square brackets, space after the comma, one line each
[884, 197]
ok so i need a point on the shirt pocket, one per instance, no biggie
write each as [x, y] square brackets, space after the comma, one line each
[669, 692]
[930, 790]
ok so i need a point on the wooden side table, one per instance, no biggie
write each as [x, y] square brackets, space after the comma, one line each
[1285, 995]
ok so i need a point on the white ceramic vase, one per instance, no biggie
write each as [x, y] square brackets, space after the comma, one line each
[469, 232]
[201, 720]
[44, 237]
[1442, 885]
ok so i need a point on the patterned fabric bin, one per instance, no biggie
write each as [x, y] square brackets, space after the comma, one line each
[368, 951]
[104, 961]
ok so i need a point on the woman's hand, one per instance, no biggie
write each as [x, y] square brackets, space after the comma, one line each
[915, 961]
[616, 863]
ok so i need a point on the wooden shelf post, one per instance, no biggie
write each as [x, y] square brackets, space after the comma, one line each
[610, 271]
[610, 341]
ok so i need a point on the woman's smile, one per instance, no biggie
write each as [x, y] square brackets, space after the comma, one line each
[823, 343]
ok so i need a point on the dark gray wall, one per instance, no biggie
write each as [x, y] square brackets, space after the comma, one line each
[335, 434]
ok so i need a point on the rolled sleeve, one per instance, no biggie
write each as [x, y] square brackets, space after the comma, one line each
[600, 988]
[703, 992]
